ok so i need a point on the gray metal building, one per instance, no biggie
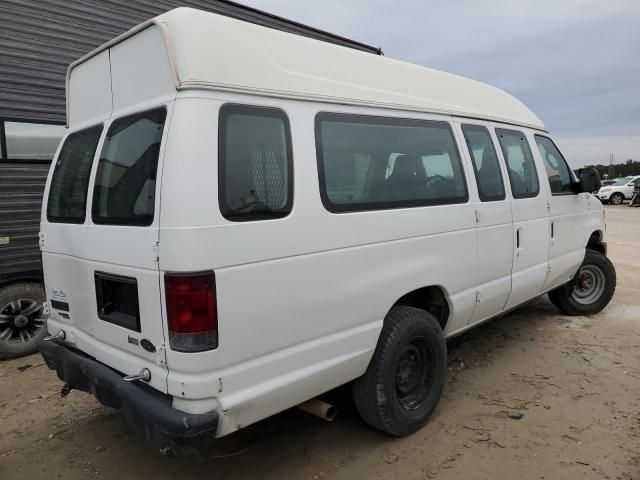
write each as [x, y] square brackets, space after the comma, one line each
[38, 40]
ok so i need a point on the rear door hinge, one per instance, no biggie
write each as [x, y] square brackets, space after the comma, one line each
[478, 296]
[41, 240]
[548, 269]
[477, 216]
[548, 206]
[161, 356]
[156, 251]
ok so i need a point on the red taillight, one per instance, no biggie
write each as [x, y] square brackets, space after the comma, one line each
[191, 311]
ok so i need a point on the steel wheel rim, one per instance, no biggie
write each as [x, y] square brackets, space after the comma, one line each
[413, 375]
[20, 321]
[589, 285]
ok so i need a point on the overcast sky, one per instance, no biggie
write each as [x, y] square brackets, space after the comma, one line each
[576, 63]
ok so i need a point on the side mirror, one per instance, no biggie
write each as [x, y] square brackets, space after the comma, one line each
[589, 180]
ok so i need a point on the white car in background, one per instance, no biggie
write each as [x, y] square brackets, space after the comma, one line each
[619, 191]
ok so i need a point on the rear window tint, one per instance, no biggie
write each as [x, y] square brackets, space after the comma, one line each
[68, 191]
[255, 169]
[125, 185]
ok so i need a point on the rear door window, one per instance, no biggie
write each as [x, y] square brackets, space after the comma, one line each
[520, 164]
[125, 185]
[68, 191]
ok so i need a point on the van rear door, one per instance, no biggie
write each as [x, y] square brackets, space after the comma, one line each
[100, 242]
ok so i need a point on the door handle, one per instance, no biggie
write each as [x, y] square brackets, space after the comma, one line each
[518, 235]
[553, 230]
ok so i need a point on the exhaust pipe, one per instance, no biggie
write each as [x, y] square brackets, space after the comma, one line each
[319, 409]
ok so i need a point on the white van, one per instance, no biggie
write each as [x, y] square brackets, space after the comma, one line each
[240, 219]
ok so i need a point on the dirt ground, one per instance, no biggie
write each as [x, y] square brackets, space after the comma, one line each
[532, 395]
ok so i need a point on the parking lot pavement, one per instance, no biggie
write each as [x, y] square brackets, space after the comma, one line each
[531, 395]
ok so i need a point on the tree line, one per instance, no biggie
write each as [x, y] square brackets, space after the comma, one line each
[627, 169]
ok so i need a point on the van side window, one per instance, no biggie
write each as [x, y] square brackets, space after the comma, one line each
[520, 164]
[373, 163]
[70, 181]
[125, 185]
[255, 163]
[485, 163]
[560, 178]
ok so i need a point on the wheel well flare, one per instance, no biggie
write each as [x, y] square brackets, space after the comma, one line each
[431, 299]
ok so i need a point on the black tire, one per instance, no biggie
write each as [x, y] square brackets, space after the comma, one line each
[22, 325]
[616, 199]
[590, 290]
[388, 398]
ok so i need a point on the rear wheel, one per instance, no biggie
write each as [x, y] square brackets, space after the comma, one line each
[22, 325]
[616, 199]
[590, 290]
[404, 381]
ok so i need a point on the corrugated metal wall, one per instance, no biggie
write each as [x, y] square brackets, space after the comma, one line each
[40, 38]
[21, 186]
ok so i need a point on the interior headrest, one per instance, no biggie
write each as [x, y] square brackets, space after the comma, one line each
[408, 165]
[488, 157]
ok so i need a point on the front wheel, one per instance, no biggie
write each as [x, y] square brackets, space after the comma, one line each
[590, 290]
[404, 381]
[616, 199]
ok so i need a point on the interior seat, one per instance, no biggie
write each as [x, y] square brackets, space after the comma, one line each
[489, 173]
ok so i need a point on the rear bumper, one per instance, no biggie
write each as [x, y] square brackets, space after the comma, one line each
[147, 411]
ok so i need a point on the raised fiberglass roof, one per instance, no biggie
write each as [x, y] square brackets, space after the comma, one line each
[216, 52]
